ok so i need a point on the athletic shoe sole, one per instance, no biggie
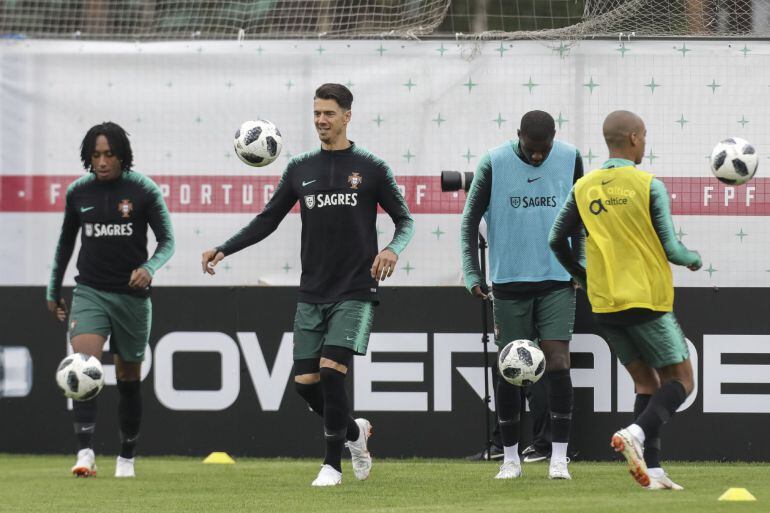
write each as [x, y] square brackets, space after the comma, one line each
[83, 472]
[636, 465]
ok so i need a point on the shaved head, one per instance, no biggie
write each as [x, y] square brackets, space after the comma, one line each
[618, 126]
[624, 133]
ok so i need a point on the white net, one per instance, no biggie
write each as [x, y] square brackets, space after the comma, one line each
[184, 19]
[471, 19]
[643, 18]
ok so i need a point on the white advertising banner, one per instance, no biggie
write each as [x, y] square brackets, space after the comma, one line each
[422, 106]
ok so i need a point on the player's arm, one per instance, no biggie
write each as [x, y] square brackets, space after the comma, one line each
[568, 224]
[476, 204]
[578, 240]
[260, 227]
[64, 249]
[660, 211]
[160, 222]
[391, 200]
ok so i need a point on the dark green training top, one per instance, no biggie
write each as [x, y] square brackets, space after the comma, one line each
[338, 193]
[113, 218]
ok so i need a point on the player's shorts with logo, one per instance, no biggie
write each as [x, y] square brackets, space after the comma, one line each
[126, 319]
[550, 316]
[345, 324]
[657, 341]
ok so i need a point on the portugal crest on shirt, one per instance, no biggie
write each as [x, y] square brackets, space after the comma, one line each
[355, 180]
[125, 207]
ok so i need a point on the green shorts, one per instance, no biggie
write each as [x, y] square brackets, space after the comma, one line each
[124, 318]
[345, 324]
[547, 317]
[658, 342]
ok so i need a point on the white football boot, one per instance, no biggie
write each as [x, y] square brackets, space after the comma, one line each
[328, 476]
[509, 470]
[85, 466]
[627, 444]
[558, 469]
[659, 480]
[359, 452]
[124, 467]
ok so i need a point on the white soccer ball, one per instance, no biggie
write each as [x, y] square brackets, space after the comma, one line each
[80, 376]
[258, 143]
[521, 363]
[734, 161]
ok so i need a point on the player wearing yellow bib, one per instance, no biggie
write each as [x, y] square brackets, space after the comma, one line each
[630, 241]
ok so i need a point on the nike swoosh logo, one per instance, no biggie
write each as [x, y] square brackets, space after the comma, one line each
[85, 209]
[605, 182]
[530, 180]
[304, 184]
[350, 339]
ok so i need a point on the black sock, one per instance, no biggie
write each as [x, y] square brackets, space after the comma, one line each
[336, 416]
[663, 404]
[129, 415]
[313, 396]
[84, 413]
[560, 384]
[651, 444]
[508, 404]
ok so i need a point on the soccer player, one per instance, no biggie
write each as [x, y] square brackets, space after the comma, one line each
[339, 186]
[111, 206]
[518, 187]
[630, 240]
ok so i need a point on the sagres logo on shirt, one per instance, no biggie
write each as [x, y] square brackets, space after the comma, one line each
[97, 230]
[533, 201]
[335, 199]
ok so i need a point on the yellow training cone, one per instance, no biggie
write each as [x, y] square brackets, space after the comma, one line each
[219, 457]
[737, 494]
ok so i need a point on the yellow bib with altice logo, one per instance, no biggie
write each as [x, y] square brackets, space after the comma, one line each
[625, 261]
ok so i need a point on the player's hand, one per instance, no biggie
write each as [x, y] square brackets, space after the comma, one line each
[58, 309]
[140, 279]
[697, 264]
[476, 291]
[384, 265]
[210, 258]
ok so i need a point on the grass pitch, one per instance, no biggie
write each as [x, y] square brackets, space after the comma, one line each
[174, 484]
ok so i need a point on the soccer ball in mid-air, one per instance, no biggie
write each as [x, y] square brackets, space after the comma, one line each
[80, 376]
[258, 142]
[734, 161]
[521, 363]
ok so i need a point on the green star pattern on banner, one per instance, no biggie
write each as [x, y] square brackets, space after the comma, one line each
[561, 120]
[591, 85]
[530, 85]
[683, 50]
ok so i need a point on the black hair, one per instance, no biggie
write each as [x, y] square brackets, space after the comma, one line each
[117, 139]
[336, 92]
[538, 125]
